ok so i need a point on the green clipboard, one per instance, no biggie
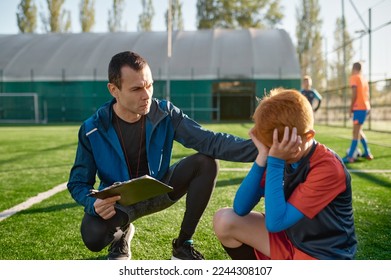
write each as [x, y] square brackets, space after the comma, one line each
[134, 190]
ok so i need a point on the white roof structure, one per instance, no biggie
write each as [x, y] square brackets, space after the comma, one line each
[196, 55]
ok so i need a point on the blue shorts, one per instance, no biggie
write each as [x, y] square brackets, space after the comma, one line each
[359, 116]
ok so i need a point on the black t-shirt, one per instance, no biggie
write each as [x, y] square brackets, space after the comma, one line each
[132, 139]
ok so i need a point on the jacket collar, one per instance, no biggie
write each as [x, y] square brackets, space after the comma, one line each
[104, 114]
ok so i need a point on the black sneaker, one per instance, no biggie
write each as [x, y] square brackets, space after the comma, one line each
[185, 251]
[120, 249]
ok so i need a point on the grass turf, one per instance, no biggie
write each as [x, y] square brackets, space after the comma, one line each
[33, 159]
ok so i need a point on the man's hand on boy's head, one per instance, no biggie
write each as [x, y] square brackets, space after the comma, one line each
[289, 148]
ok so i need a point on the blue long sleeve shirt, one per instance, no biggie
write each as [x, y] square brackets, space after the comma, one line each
[279, 213]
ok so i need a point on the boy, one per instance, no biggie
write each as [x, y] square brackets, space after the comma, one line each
[310, 93]
[359, 107]
[307, 191]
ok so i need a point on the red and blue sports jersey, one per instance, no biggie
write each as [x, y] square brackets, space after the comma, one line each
[320, 187]
[308, 206]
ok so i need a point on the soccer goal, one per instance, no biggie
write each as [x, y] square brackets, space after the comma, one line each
[19, 108]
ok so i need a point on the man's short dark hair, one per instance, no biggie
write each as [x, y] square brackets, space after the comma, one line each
[127, 58]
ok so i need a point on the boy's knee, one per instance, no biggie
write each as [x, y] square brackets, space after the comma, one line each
[222, 221]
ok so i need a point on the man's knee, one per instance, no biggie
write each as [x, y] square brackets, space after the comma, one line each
[94, 233]
[207, 163]
[92, 243]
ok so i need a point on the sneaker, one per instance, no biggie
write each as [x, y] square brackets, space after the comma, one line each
[368, 156]
[185, 251]
[120, 249]
[348, 160]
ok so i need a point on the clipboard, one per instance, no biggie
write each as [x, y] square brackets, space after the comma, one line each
[134, 190]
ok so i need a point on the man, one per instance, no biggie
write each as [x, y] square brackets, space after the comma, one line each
[312, 94]
[132, 136]
[359, 107]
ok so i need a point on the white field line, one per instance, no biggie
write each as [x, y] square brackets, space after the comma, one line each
[31, 201]
[350, 170]
[44, 195]
[369, 171]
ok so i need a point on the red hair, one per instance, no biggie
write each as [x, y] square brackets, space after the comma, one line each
[281, 108]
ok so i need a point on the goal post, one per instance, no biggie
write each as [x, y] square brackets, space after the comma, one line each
[19, 107]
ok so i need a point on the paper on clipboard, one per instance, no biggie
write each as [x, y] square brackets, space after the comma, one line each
[134, 190]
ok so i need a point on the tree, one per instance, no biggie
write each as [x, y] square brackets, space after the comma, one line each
[87, 15]
[146, 17]
[66, 19]
[59, 20]
[27, 16]
[236, 14]
[309, 42]
[205, 13]
[176, 13]
[115, 16]
[341, 67]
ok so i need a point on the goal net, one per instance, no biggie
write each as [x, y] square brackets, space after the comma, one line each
[19, 108]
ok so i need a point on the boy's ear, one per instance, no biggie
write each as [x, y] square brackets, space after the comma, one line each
[310, 134]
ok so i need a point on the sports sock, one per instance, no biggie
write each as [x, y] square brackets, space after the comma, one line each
[243, 252]
[365, 146]
[183, 236]
[353, 147]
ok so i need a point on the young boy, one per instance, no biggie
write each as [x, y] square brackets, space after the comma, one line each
[310, 93]
[307, 191]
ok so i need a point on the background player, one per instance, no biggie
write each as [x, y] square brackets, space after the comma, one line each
[312, 94]
[359, 107]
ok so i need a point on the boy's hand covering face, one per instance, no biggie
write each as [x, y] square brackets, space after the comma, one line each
[262, 148]
[289, 148]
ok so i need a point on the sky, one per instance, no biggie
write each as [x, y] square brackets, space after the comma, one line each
[356, 14]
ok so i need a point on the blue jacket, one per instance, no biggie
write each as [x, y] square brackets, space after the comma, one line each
[99, 151]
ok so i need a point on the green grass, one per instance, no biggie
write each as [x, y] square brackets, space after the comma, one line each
[33, 159]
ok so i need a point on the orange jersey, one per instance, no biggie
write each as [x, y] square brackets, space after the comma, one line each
[362, 89]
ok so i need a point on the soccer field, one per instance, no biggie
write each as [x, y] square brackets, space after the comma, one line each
[34, 159]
